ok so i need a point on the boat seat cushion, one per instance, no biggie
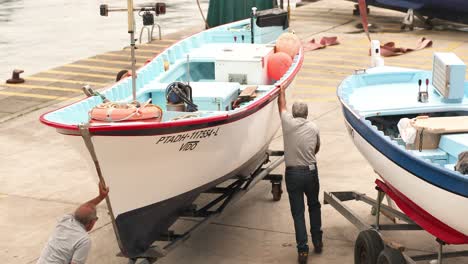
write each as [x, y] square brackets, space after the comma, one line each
[454, 144]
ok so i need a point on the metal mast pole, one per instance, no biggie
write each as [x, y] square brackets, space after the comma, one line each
[131, 30]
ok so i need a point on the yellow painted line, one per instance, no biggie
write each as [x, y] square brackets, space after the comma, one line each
[165, 40]
[328, 71]
[464, 52]
[317, 78]
[62, 80]
[312, 92]
[453, 45]
[355, 67]
[42, 87]
[81, 74]
[340, 66]
[35, 95]
[123, 56]
[308, 88]
[111, 61]
[426, 66]
[332, 53]
[318, 99]
[157, 45]
[320, 21]
[90, 67]
[365, 50]
[108, 61]
[309, 93]
[154, 52]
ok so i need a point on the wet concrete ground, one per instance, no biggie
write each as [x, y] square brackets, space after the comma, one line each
[41, 178]
[39, 35]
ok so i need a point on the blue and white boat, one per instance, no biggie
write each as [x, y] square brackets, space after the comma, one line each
[156, 169]
[451, 10]
[412, 138]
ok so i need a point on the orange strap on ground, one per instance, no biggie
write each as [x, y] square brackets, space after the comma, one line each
[389, 49]
[324, 41]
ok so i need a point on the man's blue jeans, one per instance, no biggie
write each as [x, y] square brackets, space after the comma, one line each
[300, 181]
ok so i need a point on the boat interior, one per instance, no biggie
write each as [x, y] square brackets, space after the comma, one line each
[450, 144]
[218, 64]
[383, 99]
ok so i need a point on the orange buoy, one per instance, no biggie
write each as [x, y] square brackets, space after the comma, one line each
[116, 112]
[278, 65]
[288, 43]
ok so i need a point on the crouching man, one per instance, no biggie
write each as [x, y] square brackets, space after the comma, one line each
[70, 242]
[301, 144]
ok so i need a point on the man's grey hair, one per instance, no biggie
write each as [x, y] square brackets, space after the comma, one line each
[85, 214]
[300, 110]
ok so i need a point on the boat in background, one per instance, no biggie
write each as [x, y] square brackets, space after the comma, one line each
[450, 10]
[156, 168]
[411, 126]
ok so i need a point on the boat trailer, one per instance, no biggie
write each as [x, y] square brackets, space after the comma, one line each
[370, 247]
[232, 191]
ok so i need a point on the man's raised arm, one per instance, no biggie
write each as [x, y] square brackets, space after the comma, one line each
[103, 191]
[282, 99]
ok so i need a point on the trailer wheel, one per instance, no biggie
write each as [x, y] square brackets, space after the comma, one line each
[276, 190]
[390, 256]
[368, 246]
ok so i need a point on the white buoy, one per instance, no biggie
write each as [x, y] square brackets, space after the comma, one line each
[376, 59]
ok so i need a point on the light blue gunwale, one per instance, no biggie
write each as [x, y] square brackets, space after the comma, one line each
[77, 113]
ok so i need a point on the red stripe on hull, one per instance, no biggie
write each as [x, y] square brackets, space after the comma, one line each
[424, 219]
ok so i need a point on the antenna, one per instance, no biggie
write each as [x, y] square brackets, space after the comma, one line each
[188, 69]
[159, 8]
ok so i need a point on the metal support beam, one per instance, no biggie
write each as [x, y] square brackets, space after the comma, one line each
[380, 196]
[455, 254]
[384, 208]
[346, 212]
[396, 227]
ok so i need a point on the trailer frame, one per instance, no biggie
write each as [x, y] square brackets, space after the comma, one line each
[337, 199]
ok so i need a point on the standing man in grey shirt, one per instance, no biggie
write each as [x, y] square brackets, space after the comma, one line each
[301, 144]
[70, 242]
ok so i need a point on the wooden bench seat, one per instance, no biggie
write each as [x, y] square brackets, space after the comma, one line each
[429, 129]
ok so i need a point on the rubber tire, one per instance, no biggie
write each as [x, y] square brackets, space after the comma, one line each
[368, 246]
[120, 74]
[390, 256]
[277, 191]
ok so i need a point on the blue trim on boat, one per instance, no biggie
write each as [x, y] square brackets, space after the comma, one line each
[450, 181]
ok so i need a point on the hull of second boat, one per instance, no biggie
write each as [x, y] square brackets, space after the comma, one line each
[443, 205]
